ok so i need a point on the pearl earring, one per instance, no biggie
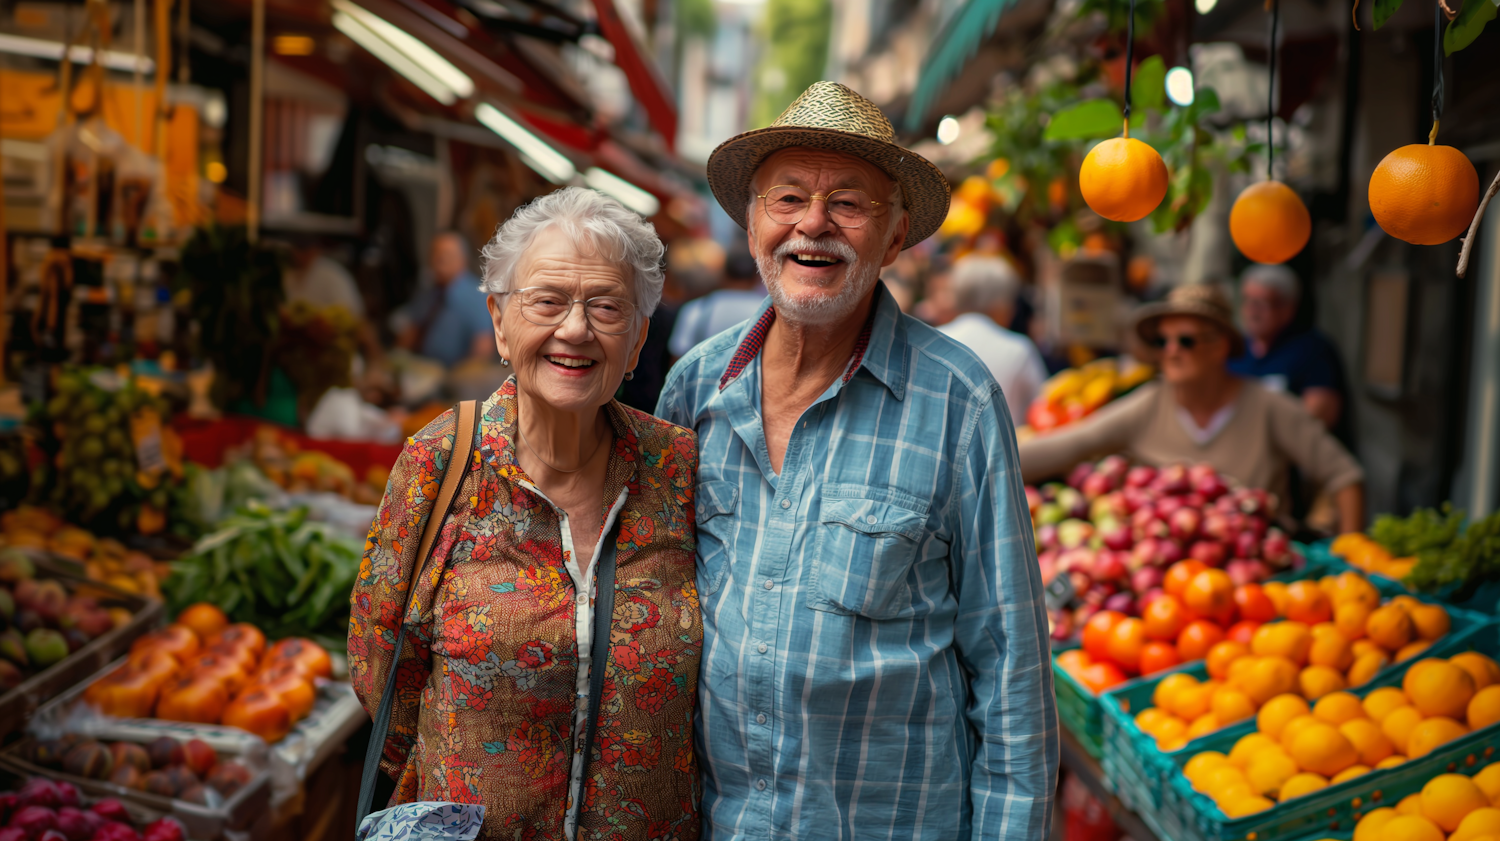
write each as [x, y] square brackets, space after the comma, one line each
[629, 375]
[505, 362]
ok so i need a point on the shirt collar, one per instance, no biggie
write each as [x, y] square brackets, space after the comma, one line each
[880, 348]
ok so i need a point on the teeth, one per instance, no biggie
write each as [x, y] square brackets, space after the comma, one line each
[816, 258]
[570, 363]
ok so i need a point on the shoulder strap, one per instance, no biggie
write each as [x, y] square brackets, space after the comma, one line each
[604, 614]
[462, 456]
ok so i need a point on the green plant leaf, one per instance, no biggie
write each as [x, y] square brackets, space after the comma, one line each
[1469, 23]
[1205, 102]
[1088, 119]
[1148, 87]
[1384, 10]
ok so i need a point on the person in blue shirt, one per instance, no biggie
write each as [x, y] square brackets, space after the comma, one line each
[449, 320]
[1300, 362]
[875, 646]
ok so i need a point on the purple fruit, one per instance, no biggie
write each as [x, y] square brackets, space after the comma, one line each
[165, 829]
[76, 824]
[34, 820]
[115, 831]
[53, 835]
[11, 833]
[111, 809]
[67, 793]
[40, 792]
[1123, 602]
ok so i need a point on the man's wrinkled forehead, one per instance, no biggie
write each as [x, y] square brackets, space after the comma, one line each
[819, 168]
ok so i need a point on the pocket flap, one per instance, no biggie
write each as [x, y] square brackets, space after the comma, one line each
[873, 516]
[715, 498]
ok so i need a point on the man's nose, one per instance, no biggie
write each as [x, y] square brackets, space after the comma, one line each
[817, 221]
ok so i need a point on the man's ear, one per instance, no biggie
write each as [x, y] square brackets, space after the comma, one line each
[898, 238]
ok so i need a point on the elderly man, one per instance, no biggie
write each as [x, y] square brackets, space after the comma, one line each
[1301, 362]
[875, 644]
[448, 321]
[984, 291]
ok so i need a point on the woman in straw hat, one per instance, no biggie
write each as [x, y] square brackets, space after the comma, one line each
[1199, 412]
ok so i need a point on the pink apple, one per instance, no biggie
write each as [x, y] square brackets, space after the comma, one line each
[1109, 566]
[1242, 571]
[1201, 470]
[1096, 485]
[1123, 602]
[1172, 479]
[1135, 499]
[1170, 552]
[1218, 525]
[1246, 545]
[1046, 536]
[1184, 523]
[1140, 476]
[1115, 467]
[1210, 552]
[1210, 487]
[1146, 578]
[1078, 474]
[1168, 505]
[1275, 547]
[1146, 553]
[1253, 500]
[1119, 538]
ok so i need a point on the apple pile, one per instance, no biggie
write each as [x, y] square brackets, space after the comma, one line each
[1114, 530]
[44, 810]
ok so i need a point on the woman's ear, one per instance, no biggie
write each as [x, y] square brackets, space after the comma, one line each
[497, 314]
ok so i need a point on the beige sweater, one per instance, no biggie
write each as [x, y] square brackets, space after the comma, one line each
[1268, 431]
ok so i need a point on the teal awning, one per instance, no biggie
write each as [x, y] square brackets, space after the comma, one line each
[959, 41]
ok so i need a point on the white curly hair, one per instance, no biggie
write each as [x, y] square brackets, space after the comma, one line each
[593, 222]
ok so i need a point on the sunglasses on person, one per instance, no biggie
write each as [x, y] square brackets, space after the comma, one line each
[1186, 341]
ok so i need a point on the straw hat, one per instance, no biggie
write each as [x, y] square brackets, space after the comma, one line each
[833, 117]
[1202, 300]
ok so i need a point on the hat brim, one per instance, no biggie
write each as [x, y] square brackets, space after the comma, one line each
[924, 188]
[1148, 323]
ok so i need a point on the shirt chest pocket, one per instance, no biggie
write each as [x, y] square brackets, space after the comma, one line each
[864, 554]
[716, 504]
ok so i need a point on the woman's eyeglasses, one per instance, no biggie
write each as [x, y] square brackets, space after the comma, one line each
[548, 307]
[787, 205]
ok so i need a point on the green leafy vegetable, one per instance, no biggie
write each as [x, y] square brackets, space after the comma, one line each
[1425, 529]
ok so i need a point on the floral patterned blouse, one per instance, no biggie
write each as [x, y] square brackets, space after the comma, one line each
[488, 681]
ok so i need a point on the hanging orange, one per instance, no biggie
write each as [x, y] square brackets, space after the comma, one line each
[1425, 195]
[1123, 179]
[1269, 223]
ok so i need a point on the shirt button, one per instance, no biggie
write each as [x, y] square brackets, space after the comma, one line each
[870, 519]
[760, 785]
[760, 719]
[786, 503]
[769, 584]
[583, 598]
[762, 648]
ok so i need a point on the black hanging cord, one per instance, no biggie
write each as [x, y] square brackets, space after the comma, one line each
[1129, 60]
[1271, 94]
[1437, 70]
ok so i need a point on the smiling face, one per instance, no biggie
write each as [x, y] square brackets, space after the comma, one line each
[1209, 351]
[568, 366]
[816, 271]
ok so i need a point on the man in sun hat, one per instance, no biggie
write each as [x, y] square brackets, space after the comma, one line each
[875, 659]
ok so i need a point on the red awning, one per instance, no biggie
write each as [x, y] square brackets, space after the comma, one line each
[650, 91]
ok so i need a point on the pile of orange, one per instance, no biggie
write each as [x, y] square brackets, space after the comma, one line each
[1358, 549]
[202, 669]
[1299, 748]
[1337, 636]
[1450, 806]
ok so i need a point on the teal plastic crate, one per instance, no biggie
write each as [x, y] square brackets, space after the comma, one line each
[1126, 746]
[1188, 815]
[1079, 710]
[1485, 600]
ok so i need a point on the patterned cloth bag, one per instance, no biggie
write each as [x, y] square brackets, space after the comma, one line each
[423, 822]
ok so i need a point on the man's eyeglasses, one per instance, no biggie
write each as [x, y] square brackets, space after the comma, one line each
[548, 307]
[1186, 341]
[787, 205]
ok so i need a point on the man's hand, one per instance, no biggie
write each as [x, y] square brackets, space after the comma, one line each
[1350, 501]
[1325, 404]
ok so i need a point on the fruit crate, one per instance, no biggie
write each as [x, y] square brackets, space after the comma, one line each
[239, 817]
[1486, 599]
[17, 705]
[1127, 747]
[1191, 816]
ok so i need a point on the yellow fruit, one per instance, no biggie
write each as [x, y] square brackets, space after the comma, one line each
[1480, 822]
[1488, 780]
[1148, 718]
[1353, 588]
[1430, 621]
[1349, 773]
[1372, 744]
[1192, 701]
[1484, 670]
[1398, 724]
[1411, 828]
[1330, 648]
[1391, 761]
[1442, 689]
[1221, 778]
[1292, 728]
[1168, 688]
[1300, 784]
[1390, 626]
[1291, 640]
[1170, 728]
[1366, 667]
[1238, 669]
[1350, 619]
[1322, 628]
[1412, 649]
[1361, 647]
[1368, 828]
[1123, 179]
[1242, 806]
[1268, 771]
[1411, 804]
[1269, 223]
[1338, 707]
[1276, 592]
[1449, 798]
[1175, 743]
[1431, 733]
[1416, 669]
[1247, 747]
[1270, 676]
[1322, 749]
[1275, 714]
[1380, 702]
[1484, 707]
[1202, 726]
[1231, 705]
[1406, 603]
[1202, 763]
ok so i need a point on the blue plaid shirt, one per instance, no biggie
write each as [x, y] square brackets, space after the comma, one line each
[875, 658]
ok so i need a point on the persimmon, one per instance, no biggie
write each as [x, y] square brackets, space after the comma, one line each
[242, 633]
[308, 655]
[1101, 676]
[160, 665]
[177, 640]
[225, 670]
[1197, 638]
[1158, 656]
[1164, 618]
[261, 712]
[1125, 644]
[1180, 574]
[287, 682]
[1096, 632]
[124, 693]
[1307, 603]
[1253, 603]
[206, 620]
[195, 698]
[241, 654]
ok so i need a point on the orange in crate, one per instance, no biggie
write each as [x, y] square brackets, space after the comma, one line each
[206, 620]
[196, 698]
[261, 712]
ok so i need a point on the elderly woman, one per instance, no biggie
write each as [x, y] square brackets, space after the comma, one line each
[493, 682]
[1200, 412]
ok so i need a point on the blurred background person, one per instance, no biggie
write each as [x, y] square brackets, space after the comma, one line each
[737, 299]
[1301, 362]
[318, 280]
[983, 292]
[936, 307]
[448, 321]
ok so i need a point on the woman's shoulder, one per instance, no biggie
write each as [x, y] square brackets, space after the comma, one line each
[653, 432]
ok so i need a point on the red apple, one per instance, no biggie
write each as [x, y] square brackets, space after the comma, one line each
[1046, 536]
[1119, 539]
[1242, 571]
[1096, 485]
[1110, 566]
[1210, 487]
[1246, 545]
[1275, 547]
[1078, 474]
[1123, 602]
[1171, 552]
[1140, 476]
[1145, 579]
[1209, 552]
[1184, 523]
[1172, 479]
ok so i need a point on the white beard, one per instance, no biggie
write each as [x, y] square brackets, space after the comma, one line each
[810, 309]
